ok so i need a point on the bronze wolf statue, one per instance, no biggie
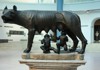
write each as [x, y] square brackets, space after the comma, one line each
[35, 20]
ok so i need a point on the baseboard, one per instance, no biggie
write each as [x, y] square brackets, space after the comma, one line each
[3, 40]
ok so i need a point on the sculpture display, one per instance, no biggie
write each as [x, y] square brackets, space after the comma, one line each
[35, 20]
[63, 39]
[46, 47]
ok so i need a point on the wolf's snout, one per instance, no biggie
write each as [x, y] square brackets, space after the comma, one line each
[2, 17]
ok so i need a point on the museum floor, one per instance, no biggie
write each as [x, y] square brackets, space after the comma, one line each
[10, 54]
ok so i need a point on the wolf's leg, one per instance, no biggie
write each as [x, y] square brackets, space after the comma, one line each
[75, 40]
[30, 40]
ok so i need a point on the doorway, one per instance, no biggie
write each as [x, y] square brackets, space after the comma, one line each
[97, 31]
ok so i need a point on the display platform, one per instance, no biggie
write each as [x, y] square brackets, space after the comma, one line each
[40, 61]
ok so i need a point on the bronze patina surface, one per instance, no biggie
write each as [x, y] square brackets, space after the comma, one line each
[35, 20]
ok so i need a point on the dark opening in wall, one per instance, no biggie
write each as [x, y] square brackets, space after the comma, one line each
[13, 32]
[97, 31]
[3, 40]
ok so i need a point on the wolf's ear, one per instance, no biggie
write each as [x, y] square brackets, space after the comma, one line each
[14, 8]
[5, 8]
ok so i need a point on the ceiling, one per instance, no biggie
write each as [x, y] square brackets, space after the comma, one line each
[48, 1]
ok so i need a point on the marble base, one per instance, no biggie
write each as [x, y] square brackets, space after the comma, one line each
[39, 61]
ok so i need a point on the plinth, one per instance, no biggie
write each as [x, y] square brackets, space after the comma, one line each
[52, 61]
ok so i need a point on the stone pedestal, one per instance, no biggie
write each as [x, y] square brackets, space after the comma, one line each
[66, 61]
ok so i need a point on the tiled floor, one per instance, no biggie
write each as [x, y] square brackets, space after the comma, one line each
[10, 54]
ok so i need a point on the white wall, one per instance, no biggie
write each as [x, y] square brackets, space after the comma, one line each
[87, 23]
[29, 6]
[89, 12]
[82, 9]
[4, 31]
[21, 6]
[82, 6]
[92, 19]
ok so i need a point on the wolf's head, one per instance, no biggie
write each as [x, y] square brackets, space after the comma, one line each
[9, 14]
